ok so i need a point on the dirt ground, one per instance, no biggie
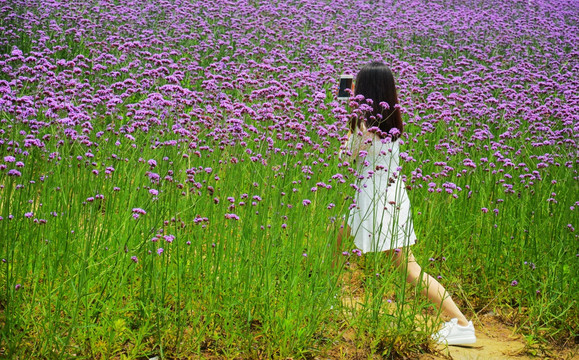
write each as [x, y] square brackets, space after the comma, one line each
[497, 341]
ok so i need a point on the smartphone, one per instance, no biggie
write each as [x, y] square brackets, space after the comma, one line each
[346, 82]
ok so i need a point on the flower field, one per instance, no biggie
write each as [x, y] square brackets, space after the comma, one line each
[170, 185]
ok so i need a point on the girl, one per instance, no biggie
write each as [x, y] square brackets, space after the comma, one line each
[381, 219]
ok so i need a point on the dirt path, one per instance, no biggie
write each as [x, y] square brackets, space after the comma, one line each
[496, 341]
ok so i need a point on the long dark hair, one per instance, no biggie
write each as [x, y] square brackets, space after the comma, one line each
[375, 81]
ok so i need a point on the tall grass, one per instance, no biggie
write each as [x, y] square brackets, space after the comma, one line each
[197, 216]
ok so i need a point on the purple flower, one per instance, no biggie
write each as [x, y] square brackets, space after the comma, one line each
[160, 251]
[306, 202]
[17, 287]
[139, 211]
[514, 283]
[29, 214]
[154, 177]
[9, 159]
[14, 172]
[232, 216]
[154, 192]
[135, 259]
[484, 210]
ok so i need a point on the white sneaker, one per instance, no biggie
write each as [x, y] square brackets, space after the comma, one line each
[454, 334]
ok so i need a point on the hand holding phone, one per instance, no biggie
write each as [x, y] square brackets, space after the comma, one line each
[346, 82]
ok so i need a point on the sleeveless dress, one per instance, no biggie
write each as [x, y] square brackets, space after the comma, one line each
[381, 218]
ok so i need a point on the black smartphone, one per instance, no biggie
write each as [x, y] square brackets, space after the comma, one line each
[346, 82]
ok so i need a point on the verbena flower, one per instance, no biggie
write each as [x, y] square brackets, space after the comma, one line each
[139, 211]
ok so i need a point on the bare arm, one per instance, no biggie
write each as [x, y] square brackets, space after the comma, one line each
[361, 141]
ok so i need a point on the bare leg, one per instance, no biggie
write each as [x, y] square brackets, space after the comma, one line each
[430, 286]
[343, 228]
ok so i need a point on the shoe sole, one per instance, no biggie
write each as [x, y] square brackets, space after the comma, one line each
[463, 340]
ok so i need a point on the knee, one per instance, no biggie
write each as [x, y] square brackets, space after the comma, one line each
[413, 272]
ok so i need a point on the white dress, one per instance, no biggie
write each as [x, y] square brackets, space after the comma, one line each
[381, 219]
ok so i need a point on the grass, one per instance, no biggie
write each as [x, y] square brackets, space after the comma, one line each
[214, 252]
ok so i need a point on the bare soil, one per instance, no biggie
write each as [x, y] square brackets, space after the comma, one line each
[495, 339]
